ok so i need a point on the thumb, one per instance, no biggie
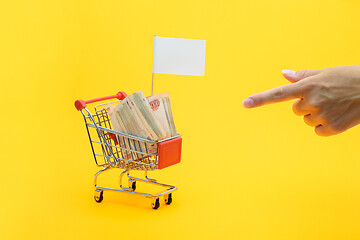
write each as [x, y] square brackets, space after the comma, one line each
[295, 76]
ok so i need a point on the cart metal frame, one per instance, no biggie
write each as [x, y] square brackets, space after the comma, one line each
[116, 150]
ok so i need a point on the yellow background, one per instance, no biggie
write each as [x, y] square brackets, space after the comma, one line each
[245, 174]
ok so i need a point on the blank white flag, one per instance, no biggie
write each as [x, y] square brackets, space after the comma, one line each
[179, 56]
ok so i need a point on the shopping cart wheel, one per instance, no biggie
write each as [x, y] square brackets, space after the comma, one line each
[168, 199]
[156, 203]
[98, 195]
[132, 184]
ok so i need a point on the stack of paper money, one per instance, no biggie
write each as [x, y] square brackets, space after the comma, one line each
[149, 118]
[161, 106]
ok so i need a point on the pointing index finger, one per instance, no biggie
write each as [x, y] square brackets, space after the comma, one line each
[278, 94]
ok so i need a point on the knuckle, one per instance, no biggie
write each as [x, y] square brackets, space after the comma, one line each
[296, 112]
[309, 121]
[277, 93]
[302, 73]
[295, 108]
[320, 133]
[308, 86]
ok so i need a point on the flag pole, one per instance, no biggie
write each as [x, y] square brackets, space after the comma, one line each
[152, 83]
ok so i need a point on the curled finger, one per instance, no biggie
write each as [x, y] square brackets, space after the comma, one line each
[312, 120]
[323, 131]
[301, 108]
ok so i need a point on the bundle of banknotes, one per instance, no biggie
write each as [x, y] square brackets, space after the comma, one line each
[149, 118]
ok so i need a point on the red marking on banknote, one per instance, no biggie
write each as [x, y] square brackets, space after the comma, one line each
[155, 104]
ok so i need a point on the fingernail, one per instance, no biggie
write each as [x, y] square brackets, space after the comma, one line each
[289, 72]
[248, 103]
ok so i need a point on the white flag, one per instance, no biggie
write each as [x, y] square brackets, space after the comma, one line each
[179, 56]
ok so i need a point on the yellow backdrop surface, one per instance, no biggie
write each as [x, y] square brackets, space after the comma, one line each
[245, 174]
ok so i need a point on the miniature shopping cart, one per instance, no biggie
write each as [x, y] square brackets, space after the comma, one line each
[113, 149]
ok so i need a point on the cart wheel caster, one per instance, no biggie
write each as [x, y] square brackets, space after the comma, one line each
[156, 203]
[168, 199]
[132, 184]
[98, 195]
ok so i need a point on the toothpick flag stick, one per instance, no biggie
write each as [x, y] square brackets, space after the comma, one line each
[152, 84]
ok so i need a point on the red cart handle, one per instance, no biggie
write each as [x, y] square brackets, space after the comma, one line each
[81, 104]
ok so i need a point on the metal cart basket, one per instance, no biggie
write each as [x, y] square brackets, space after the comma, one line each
[112, 149]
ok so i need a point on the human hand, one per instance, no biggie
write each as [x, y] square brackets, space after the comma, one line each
[329, 99]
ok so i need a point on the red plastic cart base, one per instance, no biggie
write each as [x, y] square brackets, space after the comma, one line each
[169, 152]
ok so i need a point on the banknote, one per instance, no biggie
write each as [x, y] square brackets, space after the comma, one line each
[149, 118]
[118, 126]
[161, 106]
[145, 108]
[127, 118]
